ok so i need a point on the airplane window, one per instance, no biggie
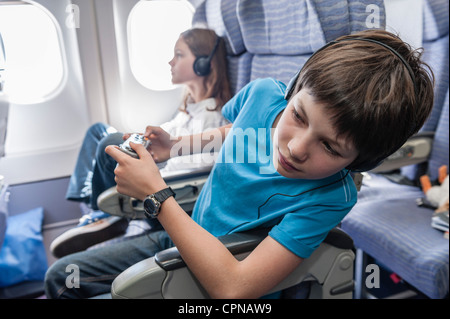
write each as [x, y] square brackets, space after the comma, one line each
[153, 29]
[35, 65]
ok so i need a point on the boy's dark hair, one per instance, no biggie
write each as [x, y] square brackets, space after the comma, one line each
[370, 92]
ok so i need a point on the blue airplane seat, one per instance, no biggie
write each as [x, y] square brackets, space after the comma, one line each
[387, 224]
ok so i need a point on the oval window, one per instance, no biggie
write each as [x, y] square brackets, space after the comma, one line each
[34, 64]
[153, 29]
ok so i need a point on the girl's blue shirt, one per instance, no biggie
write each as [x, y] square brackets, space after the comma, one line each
[244, 191]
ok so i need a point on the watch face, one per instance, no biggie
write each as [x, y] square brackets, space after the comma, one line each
[151, 205]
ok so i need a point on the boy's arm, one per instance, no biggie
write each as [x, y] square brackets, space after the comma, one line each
[219, 272]
[213, 265]
[196, 143]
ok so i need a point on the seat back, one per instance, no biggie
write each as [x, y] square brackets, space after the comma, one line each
[436, 55]
[436, 45]
[4, 108]
[274, 38]
[221, 16]
[282, 35]
[439, 152]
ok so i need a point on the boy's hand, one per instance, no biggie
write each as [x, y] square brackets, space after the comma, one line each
[137, 178]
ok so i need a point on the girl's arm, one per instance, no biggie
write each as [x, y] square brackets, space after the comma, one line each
[213, 265]
[165, 146]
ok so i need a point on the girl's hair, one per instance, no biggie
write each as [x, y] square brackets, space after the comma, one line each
[369, 92]
[201, 42]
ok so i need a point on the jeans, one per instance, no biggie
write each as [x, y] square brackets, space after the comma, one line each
[94, 170]
[99, 267]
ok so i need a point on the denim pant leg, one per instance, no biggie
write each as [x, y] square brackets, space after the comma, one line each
[79, 188]
[103, 170]
[99, 267]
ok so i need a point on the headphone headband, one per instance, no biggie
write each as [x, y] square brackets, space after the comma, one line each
[291, 85]
[405, 63]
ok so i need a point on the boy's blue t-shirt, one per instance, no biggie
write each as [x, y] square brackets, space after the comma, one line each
[244, 191]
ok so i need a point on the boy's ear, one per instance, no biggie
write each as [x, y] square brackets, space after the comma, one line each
[364, 168]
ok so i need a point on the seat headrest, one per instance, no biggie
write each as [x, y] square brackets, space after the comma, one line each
[280, 27]
[342, 17]
[439, 154]
[435, 19]
[221, 16]
[288, 27]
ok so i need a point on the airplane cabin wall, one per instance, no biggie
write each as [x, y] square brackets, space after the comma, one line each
[44, 137]
[98, 86]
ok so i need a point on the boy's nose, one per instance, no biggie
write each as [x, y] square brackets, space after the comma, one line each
[299, 149]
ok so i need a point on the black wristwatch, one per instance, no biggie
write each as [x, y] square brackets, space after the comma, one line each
[153, 202]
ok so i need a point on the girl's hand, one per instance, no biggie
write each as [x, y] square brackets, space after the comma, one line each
[126, 136]
[161, 143]
[137, 178]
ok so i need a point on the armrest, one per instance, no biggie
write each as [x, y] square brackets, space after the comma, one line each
[416, 150]
[240, 243]
[186, 175]
[236, 243]
[166, 276]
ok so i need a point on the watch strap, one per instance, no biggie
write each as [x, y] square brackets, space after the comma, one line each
[164, 194]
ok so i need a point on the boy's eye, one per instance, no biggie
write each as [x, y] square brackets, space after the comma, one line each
[297, 116]
[330, 150]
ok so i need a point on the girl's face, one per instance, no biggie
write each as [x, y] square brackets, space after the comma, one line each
[182, 64]
[305, 143]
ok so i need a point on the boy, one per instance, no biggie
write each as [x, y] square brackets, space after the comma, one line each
[354, 103]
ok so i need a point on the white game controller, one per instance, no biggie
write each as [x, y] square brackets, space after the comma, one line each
[137, 139]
